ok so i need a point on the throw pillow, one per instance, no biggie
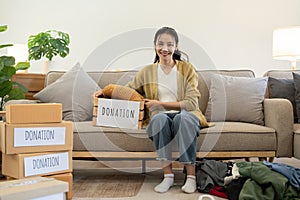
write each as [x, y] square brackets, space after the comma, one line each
[283, 88]
[236, 99]
[75, 91]
[297, 95]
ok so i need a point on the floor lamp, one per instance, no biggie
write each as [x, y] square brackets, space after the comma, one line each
[286, 44]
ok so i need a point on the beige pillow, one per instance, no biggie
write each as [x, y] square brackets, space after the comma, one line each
[75, 91]
[236, 99]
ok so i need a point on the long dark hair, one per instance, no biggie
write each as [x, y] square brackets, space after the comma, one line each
[172, 32]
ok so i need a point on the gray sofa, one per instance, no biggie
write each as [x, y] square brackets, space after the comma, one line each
[295, 138]
[226, 139]
[271, 137]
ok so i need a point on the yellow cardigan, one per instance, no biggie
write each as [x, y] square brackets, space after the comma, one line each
[146, 83]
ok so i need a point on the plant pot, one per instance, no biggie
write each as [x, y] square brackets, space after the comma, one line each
[48, 66]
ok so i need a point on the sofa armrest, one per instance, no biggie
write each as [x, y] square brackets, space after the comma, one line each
[278, 115]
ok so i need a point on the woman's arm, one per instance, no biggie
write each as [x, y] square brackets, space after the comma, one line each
[159, 105]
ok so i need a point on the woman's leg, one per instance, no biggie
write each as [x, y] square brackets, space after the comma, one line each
[186, 126]
[159, 131]
[190, 185]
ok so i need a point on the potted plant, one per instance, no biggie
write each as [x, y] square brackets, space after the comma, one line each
[10, 89]
[48, 44]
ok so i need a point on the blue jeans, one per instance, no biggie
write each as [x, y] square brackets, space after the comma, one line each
[183, 127]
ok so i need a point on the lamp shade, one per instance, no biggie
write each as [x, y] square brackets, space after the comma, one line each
[286, 43]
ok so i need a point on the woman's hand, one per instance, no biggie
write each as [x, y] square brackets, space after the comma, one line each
[153, 104]
[159, 105]
[98, 93]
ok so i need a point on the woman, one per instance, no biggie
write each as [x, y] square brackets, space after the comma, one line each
[171, 96]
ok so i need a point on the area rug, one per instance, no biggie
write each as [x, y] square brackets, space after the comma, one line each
[107, 185]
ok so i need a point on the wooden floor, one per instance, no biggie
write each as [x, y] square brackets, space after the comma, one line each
[106, 185]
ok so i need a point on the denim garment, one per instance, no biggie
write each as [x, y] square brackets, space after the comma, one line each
[183, 127]
[291, 173]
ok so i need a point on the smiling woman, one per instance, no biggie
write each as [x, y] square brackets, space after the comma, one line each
[170, 89]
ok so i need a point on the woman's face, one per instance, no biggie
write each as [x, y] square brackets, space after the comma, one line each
[165, 46]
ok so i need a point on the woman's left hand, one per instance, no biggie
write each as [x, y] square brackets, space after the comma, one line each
[98, 93]
[152, 104]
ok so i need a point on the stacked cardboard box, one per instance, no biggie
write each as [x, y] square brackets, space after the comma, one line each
[33, 188]
[118, 113]
[36, 142]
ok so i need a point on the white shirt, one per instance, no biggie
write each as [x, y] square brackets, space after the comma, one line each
[167, 85]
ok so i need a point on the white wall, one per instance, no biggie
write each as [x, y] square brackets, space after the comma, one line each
[233, 34]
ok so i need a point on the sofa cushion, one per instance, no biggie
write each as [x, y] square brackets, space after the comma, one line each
[296, 77]
[224, 136]
[204, 80]
[74, 89]
[231, 136]
[236, 99]
[296, 153]
[283, 88]
[98, 138]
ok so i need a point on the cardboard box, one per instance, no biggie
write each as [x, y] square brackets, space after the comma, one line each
[66, 177]
[33, 113]
[118, 113]
[140, 117]
[36, 164]
[94, 123]
[33, 188]
[31, 138]
[96, 102]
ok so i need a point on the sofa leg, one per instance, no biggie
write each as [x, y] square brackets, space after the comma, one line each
[271, 159]
[247, 159]
[143, 166]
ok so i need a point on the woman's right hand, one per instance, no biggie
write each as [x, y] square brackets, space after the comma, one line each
[98, 93]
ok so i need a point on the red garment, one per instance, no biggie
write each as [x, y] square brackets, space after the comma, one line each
[218, 191]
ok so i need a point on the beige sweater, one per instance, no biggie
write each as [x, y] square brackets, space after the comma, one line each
[145, 82]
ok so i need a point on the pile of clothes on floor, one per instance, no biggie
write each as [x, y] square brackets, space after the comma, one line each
[248, 180]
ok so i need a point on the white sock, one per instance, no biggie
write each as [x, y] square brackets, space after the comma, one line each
[165, 185]
[190, 185]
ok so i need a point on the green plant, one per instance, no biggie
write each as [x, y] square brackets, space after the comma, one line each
[48, 44]
[9, 89]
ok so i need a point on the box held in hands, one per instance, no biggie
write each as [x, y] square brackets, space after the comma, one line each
[118, 113]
